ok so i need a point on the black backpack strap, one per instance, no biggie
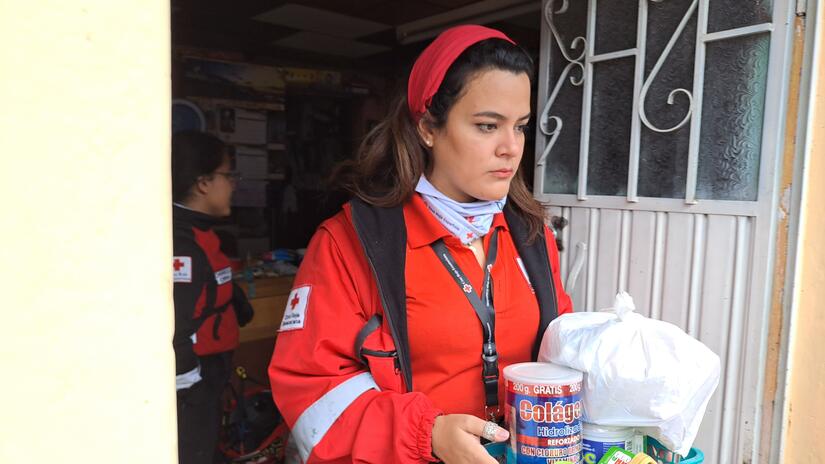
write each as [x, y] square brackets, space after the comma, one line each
[371, 326]
[383, 235]
[537, 263]
[209, 309]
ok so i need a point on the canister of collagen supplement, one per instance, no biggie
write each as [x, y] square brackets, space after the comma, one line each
[543, 411]
[597, 439]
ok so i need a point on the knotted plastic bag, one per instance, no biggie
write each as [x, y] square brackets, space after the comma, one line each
[638, 372]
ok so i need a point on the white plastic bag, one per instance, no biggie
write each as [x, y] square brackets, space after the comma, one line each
[638, 372]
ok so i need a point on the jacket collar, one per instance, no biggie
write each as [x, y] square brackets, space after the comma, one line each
[203, 221]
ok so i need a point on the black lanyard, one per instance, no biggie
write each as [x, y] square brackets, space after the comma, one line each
[484, 310]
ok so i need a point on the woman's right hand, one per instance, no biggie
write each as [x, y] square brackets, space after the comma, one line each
[456, 439]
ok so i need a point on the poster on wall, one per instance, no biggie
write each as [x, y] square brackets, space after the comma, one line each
[241, 78]
[236, 79]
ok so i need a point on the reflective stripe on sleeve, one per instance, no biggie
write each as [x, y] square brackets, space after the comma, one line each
[316, 420]
[187, 379]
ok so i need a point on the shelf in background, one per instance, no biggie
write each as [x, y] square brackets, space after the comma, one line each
[269, 302]
[245, 104]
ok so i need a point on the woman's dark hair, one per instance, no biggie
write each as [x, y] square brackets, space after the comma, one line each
[194, 154]
[392, 157]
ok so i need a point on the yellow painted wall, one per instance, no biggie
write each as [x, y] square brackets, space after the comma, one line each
[805, 438]
[87, 320]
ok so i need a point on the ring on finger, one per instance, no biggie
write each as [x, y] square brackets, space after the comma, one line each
[489, 432]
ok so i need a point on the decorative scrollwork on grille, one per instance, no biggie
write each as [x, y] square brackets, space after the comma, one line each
[546, 119]
[671, 98]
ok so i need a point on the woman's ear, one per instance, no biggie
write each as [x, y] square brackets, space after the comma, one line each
[425, 130]
[202, 185]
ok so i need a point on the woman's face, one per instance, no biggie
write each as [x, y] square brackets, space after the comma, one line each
[220, 185]
[477, 152]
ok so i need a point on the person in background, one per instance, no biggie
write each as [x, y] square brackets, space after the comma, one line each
[438, 274]
[208, 308]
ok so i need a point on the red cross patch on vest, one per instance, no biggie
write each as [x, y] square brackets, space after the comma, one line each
[182, 269]
[296, 307]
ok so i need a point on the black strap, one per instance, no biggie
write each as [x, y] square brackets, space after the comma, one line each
[209, 309]
[533, 254]
[370, 327]
[383, 236]
[484, 310]
[216, 327]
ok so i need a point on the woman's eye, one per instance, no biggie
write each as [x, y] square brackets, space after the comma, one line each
[486, 127]
[522, 128]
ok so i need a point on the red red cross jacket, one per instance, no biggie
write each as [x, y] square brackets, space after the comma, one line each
[342, 403]
[205, 321]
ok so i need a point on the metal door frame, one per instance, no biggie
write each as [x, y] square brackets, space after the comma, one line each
[765, 211]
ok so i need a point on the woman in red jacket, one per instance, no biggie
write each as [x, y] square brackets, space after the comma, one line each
[208, 306]
[440, 273]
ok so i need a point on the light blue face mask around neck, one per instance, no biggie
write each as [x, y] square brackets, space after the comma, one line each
[467, 221]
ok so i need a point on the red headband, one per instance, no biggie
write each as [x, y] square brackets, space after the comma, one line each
[431, 66]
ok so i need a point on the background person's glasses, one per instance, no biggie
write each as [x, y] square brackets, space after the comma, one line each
[231, 176]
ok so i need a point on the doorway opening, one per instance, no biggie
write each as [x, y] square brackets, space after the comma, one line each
[292, 88]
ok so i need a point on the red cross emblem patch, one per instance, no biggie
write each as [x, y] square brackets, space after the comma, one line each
[182, 269]
[296, 309]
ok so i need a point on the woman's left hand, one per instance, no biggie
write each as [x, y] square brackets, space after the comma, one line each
[456, 439]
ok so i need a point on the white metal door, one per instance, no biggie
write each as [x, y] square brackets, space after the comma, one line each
[659, 141]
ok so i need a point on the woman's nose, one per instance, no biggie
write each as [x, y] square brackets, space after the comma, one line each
[510, 144]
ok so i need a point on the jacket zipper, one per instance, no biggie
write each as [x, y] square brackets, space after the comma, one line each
[384, 354]
[380, 354]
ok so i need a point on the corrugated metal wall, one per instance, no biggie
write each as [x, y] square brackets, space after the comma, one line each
[688, 269]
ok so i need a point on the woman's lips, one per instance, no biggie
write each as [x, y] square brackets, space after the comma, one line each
[502, 173]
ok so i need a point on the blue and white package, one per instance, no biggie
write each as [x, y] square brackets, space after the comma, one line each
[543, 411]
